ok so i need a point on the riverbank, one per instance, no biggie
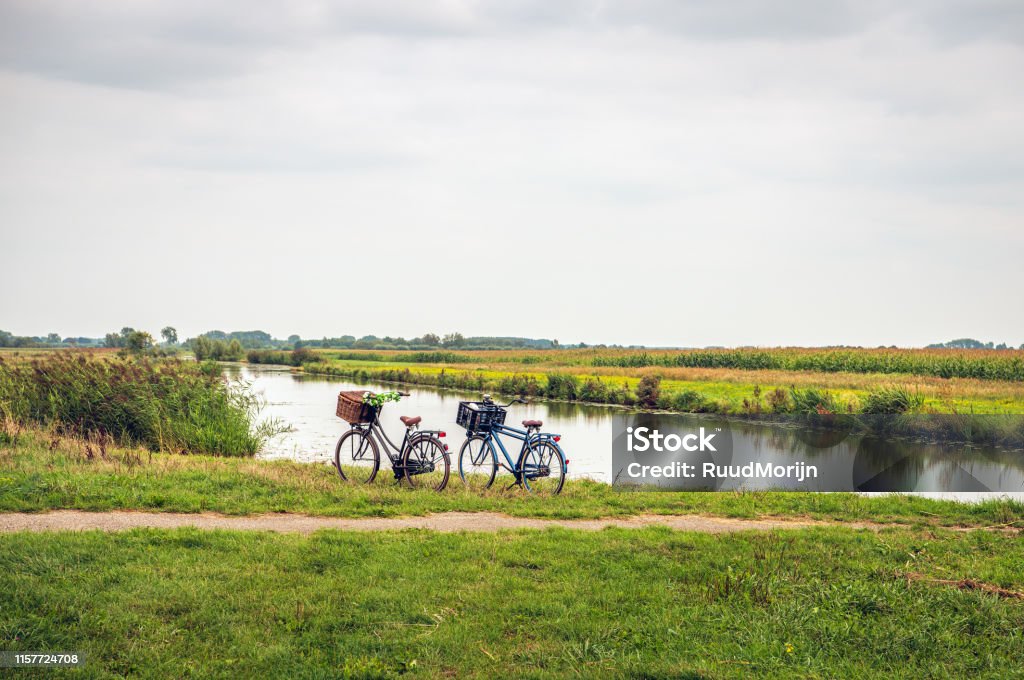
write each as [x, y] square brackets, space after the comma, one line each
[40, 472]
[943, 382]
[820, 602]
[742, 395]
[892, 412]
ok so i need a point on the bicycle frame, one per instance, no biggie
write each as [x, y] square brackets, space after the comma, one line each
[375, 430]
[527, 438]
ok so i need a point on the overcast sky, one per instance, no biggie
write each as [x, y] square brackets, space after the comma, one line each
[656, 172]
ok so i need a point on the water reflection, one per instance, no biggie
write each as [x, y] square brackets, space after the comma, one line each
[307, 403]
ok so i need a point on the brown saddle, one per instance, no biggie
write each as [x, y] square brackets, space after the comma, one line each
[533, 423]
[409, 421]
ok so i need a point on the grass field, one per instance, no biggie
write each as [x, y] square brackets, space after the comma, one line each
[618, 603]
[730, 390]
[916, 600]
[39, 472]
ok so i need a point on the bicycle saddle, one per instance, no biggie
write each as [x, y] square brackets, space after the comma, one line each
[533, 423]
[409, 421]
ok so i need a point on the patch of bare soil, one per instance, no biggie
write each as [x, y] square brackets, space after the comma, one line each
[76, 520]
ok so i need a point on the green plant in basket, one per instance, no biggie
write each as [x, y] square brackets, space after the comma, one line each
[378, 400]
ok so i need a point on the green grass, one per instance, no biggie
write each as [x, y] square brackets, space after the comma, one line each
[618, 603]
[37, 474]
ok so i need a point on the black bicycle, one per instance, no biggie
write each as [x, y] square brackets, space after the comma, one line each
[421, 460]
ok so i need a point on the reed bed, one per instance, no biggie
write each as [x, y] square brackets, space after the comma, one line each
[162, 404]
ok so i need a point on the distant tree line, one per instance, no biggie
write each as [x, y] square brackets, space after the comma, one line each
[262, 340]
[233, 346]
[970, 343]
[51, 340]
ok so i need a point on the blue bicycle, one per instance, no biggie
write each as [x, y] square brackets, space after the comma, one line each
[541, 465]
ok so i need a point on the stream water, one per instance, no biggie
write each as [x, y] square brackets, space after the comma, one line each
[307, 403]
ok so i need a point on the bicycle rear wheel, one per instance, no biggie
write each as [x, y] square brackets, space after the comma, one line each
[543, 469]
[478, 463]
[356, 457]
[426, 464]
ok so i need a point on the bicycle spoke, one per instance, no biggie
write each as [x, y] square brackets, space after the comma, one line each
[542, 469]
[356, 457]
[426, 464]
[478, 463]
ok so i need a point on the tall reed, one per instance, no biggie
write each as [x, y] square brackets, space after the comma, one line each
[163, 404]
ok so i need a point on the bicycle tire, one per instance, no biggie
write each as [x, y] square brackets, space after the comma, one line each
[543, 455]
[478, 474]
[423, 448]
[357, 452]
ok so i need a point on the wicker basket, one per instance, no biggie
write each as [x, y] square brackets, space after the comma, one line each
[352, 408]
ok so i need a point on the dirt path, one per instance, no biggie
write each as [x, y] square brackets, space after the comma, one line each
[75, 520]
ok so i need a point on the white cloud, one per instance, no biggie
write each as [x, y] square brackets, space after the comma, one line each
[718, 173]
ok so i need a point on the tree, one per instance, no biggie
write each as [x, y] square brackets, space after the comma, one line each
[202, 347]
[53, 339]
[294, 340]
[170, 335]
[138, 342]
[234, 351]
[431, 339]
[116, 339]
[453, 340]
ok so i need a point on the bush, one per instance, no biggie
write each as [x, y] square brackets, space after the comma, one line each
[161, 404]
[813, 401]
[648, 390]
[689, 401]
[219, 350]
[302, 356]
[897, 399]
[562, 386]
[594, 391]
[778, 400]
[268, 356]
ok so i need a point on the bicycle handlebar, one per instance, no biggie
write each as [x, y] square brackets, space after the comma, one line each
[517, 400]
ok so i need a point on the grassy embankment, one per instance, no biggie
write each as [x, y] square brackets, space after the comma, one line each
[42, 472]
[617, 603]
[722, 381]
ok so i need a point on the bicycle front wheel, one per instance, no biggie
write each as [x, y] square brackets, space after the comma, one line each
[356, 457]
[543, 468]
[426, 464]
[478, 463]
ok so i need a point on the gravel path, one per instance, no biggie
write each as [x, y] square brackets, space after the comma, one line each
[76, 520]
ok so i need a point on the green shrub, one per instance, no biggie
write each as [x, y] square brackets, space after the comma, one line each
[159, 403]
[648, 390]
[813, 401]
[562, 386]
[897, 399]
[594, 391]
